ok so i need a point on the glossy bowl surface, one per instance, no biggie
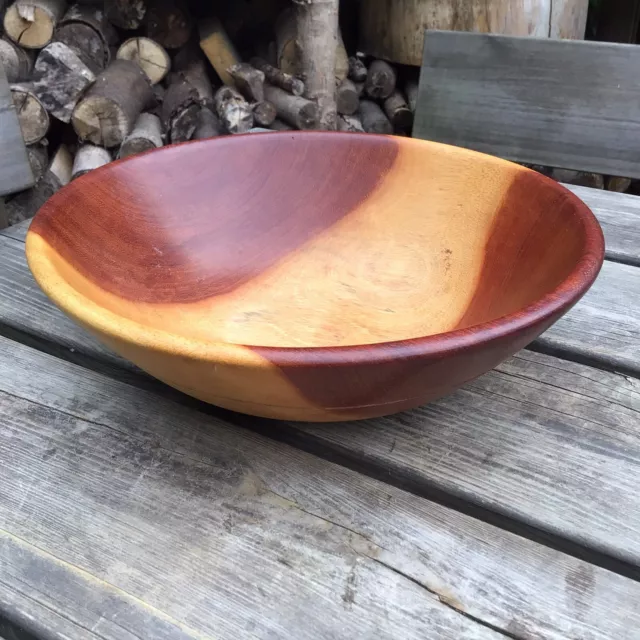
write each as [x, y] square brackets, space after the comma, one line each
[315, 276]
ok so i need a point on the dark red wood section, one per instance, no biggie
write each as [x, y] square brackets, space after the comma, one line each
[197, 220]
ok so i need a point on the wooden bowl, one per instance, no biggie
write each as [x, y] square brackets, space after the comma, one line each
[315, 276]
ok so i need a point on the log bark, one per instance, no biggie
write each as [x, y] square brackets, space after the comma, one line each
[89, 157]
[233, 110]
[38, 155]
[297, 111]
[86, 29]
[264, 113]
[17, 62]
[248, 80]
[317, 39]
[373, 118]
[279, 125]
[33, 117]
[288, 46]
[218, 48]
[347, 98]
[351, 124]
[169, 23]
[145, 135]
[148, 54]
[398, 112]
[357, 70]
[279, 78]
[411, 91]
[126, 14]
[107, 112]
[395, 30]
[189, 91]
[381, 80]
[60, 78]
[207, 125]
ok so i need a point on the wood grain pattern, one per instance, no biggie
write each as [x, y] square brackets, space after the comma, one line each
[344, 299]
[151, 519]
[15, 171]
[510, 97]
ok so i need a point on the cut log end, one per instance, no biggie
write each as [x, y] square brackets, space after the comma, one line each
[233, 110]
[398, 112]
[146, 135]
[248, 80]
[101, 121]
[169, 23]
[149, 55]
[32, 116]
[17, 62]
[32, 30]
[264, 113]
[347, 98]
[381, 80]
[126, 14]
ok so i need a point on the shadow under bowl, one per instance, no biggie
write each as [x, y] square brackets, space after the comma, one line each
[315, 276]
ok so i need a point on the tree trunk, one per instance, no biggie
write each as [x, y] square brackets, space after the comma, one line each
[317, 37]
[395, 30]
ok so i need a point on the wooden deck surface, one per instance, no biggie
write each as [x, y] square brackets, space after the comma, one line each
[508, 509]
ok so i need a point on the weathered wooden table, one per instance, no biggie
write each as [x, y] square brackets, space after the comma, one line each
[510, 508]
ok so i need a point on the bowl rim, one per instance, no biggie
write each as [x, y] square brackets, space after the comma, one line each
[547, 308]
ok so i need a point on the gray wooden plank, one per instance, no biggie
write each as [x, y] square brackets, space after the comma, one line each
[161, 515]
[604, 327]
[527, 99]
[17, 231]
[619, 217]
[15, 170]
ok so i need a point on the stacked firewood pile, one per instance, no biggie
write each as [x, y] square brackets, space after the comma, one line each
[94, 83]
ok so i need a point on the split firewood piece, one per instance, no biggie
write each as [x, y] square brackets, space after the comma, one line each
[398, 112]
[288, 50]
[279, 78]
[169, 23]
[86, 29]
[207, 125]
[151, 56]
[248, 80]
[357, 70]
[25, 205]
[294, 110]
[279, 125]
[126, 14]
[347, 98]
[60, 78]
[264, 113]
[411, 91]
[350, 123]
[106, 114]
[381, 80]
[89, 157]
[31, 23]
[146, 135]
[38, 155]
[317, 42]
[17, 62]
[618, 184]
[233, 110]
[33, 117]
[218, 48]
[373, 118]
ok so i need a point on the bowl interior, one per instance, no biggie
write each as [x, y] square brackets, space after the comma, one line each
[311, 240]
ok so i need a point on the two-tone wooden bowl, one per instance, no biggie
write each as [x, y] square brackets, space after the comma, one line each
[315, 276]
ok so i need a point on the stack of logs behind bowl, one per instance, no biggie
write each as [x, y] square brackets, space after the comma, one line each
[94, 83]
